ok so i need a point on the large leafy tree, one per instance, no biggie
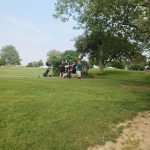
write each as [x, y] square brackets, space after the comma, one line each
[9, 55]
[104, 49]
[124, 22]
[70, 55]
[117, 17]
[54, 57]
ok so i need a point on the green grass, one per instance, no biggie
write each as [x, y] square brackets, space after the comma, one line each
[66, 114]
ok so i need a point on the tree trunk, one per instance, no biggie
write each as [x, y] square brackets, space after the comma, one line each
[101, 67]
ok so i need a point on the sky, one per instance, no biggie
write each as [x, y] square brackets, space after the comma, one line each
[30, 27]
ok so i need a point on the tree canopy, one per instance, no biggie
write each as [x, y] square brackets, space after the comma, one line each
[104, 49]
[57, 56]
[111, 28]
[120, 18]
[53, 56]
[9, 56]
[70, 55]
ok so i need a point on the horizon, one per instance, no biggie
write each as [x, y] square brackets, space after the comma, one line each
[30, 27]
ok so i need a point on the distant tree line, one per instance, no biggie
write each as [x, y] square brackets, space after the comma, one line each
[35, 64]
[9, 56]
[138, 62]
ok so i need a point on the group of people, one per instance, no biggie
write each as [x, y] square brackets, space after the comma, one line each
[73, 70]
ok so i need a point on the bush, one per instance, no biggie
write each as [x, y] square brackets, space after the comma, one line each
[2, 62]
[136, 67]
[117, 64]
[55, 61]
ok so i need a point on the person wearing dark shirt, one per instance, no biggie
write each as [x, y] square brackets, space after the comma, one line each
[62, 69]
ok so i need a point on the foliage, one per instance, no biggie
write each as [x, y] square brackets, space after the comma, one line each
[114, 28]
[86, 67]
[70, 55]
[138, 67]
[53, 56]
[9, 56]
[56, 65]
[58, 114]
[54, 59]
[147, 67]
[148, 63]
[102, 49]
[138, 59]
[53, 53]
[2, 62]
[40, 63]
[30, 64]
[120, 18]
[35, 64]
[117, 64]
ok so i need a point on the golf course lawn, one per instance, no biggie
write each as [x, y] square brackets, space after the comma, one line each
[39, 113]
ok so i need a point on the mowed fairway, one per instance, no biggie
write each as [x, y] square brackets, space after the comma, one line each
[67, 114]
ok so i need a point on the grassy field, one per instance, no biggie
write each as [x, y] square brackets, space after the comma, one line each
[39, 113]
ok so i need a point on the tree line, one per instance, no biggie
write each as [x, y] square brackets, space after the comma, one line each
[9, 56]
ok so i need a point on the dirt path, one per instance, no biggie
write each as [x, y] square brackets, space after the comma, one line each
[135, 136]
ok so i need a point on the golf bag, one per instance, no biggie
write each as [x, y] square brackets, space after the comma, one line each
[45, 74]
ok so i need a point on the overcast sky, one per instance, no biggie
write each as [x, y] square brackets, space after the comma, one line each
[30, 27]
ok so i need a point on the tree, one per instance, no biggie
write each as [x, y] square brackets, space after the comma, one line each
[53, 55]
[30, 64]
[40, 63]
[119, 21]
[115, 17]
[54, 59]
[139, 59]
[86, 67]
[70, 55]
[2, 62]
[9, 55]
[103, 49]
[117, 64]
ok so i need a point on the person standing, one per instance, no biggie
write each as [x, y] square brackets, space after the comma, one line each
[79, 69]
[62, 69]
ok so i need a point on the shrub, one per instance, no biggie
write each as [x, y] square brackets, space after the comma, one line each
[117, 64]
[2, 62]
[136, 67]
[55, 62]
